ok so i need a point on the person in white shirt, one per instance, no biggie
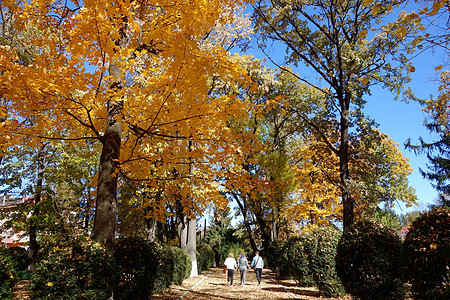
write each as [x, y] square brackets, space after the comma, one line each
[231, 265]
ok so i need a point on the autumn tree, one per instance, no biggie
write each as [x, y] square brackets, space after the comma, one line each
[335, 41]
[379, 170]
[277, 128]
[251, 184]
[132, 76]
[379, 178]
[316, 200]
[24, 174]
[10, 37]
[70, 178]
[309, 200]
[297, 174]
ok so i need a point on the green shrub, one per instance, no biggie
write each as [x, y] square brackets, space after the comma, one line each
[144, 269]
[427, 255]
[161, 269]
[134, 258]
[290, 258]
[277, 257]
[19, 257]
[7, 274]
[234, 248]
[298, 264]
[76, 269]
[205, 256]
[172, 265]
[321, 245]
[181, 265]
[367, 261]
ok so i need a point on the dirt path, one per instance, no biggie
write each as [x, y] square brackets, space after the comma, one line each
[21, 290]
[212, 284]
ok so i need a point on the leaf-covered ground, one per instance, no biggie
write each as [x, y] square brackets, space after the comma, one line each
[212, 284]
[21, 290]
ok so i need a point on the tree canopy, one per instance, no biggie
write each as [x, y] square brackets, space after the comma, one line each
[139, 115]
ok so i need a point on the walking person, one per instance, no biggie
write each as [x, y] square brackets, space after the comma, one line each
[231, 265]
[242, 266]
[258, 265]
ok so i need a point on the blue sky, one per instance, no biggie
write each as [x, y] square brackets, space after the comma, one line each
[398, 119]
[405, 120]
[402, 120]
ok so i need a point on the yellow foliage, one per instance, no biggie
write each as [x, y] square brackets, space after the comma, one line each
[436, 7]
[161, 84]
[378, 172]
[317, 200]
[367, 2]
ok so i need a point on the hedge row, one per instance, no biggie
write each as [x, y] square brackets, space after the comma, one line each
[205, 257]
[145, 268]
[78, 269]
[368, 262]
[371, 261]
[7, 275]
[83, 269]
[322, 248]
[427, 255]
[374, 264]
[308, 260]
[12, 261]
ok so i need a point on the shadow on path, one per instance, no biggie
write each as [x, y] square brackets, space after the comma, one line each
[212, 284]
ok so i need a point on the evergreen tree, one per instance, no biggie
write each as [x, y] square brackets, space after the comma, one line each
[438, 152]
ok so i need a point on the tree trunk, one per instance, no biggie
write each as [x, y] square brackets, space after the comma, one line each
[191, 245]
[151, 223]
[347, 200]
[181, 227]
[274, 229]
[34, 245]
[150, 229]
[106, 204]
[265, 231]
[244, 212]
[187, 234]
[191, 229]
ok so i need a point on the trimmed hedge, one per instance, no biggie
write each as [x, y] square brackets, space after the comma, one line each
[134, 259]
[427, 255]
[321, 245]
[205, 257]
[368, 262]
[77, 269]
[180, 263]
[146, 268]
[277, 257]
[298, 263]
[291, 260]
[7, 274]
[20, 258]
